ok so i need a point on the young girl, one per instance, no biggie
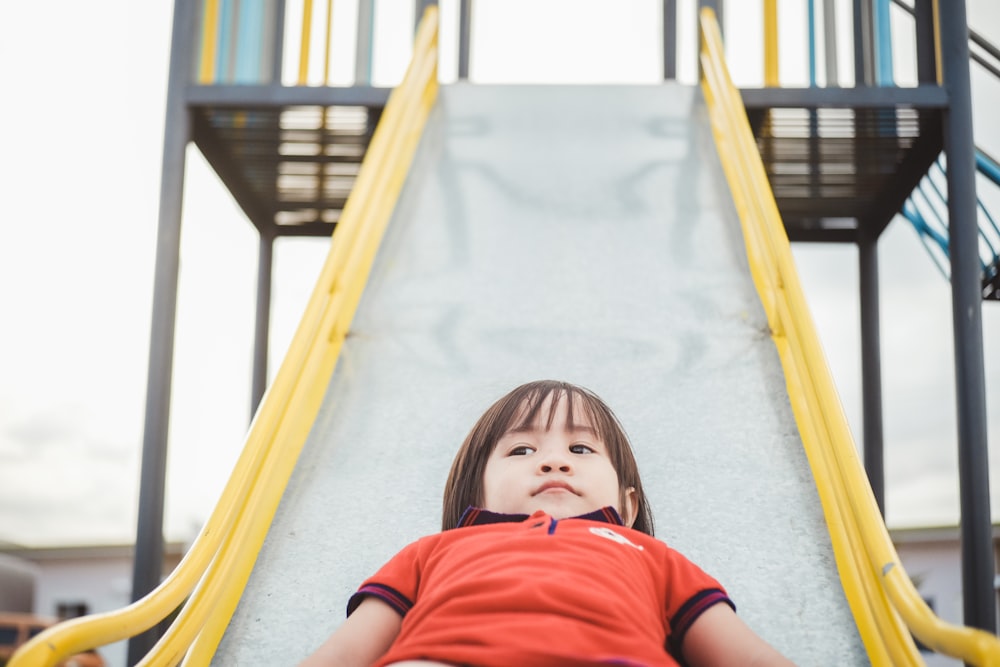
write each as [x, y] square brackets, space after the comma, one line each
[546, 557]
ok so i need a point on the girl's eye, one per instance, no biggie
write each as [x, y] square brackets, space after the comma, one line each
[520, 450]
[581, 449]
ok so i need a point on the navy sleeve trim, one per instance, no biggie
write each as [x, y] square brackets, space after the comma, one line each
[387, 594]
[689, 613]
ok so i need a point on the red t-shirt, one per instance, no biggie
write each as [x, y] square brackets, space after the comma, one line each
[534, 591]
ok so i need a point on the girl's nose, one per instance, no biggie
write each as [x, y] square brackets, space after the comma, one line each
[552, 464]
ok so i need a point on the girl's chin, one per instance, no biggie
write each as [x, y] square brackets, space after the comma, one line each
[562, 509]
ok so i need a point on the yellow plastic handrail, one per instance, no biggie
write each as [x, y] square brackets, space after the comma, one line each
[220, 559]
[305, 42]
[771, 78]
[209, 41]
[885, 604]
[327, 42]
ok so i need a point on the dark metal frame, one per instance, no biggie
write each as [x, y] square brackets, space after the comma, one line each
[950, 103]
[149, 543]
[978, 567]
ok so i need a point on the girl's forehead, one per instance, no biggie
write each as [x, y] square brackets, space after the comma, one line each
[554, 410]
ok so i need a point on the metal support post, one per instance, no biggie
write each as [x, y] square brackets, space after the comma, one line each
[464, 38]
[830, 43]
[277, 41]
[923, 17]
[979, 599]
[871, 368]
[363, 48]
[669, 40]
[263, 316]
[148, 563]
[864, 43]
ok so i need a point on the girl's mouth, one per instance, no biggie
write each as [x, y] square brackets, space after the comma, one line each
[555, 487]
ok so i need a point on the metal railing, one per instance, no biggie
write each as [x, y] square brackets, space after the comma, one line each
[927, 207]
[886, 606]
[927, 211]
[209, 581]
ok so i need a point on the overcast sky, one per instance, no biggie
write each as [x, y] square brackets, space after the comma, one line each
[81, 131]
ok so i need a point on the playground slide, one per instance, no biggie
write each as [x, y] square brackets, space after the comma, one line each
[578, 233]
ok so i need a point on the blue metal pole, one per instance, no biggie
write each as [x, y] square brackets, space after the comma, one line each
[883, 44]
[249, 42]
[812, 42]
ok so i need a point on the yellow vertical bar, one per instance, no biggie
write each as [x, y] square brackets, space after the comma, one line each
[771, 43]
[209, 41]
[937, 41]
[329, 39]
[304, 47]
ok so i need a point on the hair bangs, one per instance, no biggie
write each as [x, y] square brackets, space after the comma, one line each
[540, 402]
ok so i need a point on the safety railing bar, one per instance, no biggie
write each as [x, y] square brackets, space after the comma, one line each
[938, 233]
[987, 166]
[936, 189]
[935, 204]
[986, 243]
[894, 636]
[87, 632]
[220, 600]
[983, 166]
[916, 219]
[970, 644]
[984, 44]
[858, 500]
[843, 532]
[974, 36]
[69, 637]
[989, 67]
[359, 264]
[760, 249]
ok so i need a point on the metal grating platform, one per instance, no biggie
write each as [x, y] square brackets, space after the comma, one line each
[833, 170]
[842, 167]
[291, 168]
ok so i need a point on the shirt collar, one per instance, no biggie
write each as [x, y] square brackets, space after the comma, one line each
[475, 516]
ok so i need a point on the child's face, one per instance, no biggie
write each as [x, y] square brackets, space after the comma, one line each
[564, 472]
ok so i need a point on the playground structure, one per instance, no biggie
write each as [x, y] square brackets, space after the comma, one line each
[291, 155]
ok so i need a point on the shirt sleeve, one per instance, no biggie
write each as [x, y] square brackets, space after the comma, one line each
[396, 582]
[691, 592]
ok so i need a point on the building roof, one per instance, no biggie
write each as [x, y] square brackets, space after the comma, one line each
[77, 552]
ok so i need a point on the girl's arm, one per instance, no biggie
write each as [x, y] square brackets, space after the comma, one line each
[361, 639]
[719, 637]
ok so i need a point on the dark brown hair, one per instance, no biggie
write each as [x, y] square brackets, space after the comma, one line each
[522, 405]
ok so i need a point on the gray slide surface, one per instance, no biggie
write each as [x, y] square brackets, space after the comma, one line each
[577, 233]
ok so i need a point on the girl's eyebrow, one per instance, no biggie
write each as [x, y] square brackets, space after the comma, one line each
[527, 428]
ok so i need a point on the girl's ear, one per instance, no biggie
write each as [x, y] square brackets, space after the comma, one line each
[630, 506]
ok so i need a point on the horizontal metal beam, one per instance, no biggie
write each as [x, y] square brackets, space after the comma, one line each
[821, 235]
[925, 96]
[273, 95]
[306, 229]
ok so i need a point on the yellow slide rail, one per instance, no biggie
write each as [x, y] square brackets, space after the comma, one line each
[210, 579]
[885, 604]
